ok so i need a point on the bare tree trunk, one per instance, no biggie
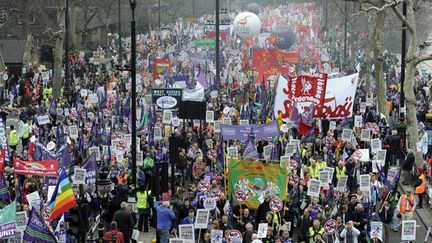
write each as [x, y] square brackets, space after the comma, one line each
[72, 26]
[369, 58]
[58, 53]
[378, 58]
[410, 100]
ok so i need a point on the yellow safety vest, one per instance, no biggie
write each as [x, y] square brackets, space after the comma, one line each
[142, 199]
[340, 172]
[26, 132]
[13, 138]
[312, 233]
[314, 172]
[46, 93]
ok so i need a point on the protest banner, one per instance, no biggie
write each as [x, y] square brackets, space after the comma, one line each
[37, 168]
[8, 221]
[257, 179]
[166, 98]
[161, 67]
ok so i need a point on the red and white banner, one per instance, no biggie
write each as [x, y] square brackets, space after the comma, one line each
[335, 103]
[37, 168]
[304, 90]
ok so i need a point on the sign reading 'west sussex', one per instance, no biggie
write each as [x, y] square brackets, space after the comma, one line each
[167, 99]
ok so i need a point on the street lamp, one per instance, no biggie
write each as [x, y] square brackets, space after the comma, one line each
[133, 92]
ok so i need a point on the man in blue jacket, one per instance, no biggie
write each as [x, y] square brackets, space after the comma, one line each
[165, 216]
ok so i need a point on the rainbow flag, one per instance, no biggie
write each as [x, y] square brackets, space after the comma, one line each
[63, 197]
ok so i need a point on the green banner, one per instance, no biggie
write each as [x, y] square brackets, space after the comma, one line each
[255, 180]
[205, 43]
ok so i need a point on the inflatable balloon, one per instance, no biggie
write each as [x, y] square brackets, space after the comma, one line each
[285, 36]
[253, 8]
[247, 25]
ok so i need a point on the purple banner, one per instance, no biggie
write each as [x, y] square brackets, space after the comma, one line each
[7, 230]
[242, 132]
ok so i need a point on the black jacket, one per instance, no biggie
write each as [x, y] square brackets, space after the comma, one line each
[409, 162]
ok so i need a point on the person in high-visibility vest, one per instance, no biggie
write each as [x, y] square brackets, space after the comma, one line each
[314, 169]
[13, 138]
[420, 189]
[46, 92]
[316, 232]
[406, 205]
[144, 208]
[25, 133]
[340, 170]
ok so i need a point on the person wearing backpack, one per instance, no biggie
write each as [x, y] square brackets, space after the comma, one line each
[114, 235]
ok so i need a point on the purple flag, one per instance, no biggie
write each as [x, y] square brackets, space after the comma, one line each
[37, 230]
[91, 169]
[250, 151]
[295, 114]
[202, 80]
[242, 132]
[4, 192]
[220, 155]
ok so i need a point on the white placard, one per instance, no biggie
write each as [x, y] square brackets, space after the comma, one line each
[34, 200]
[296, 141]
[376, 230]
[267, 151]
[216, 236]
[157, 133]
[66, 111]
[83, 92]
[408, 230]
[59, 111]
[227, 121]
[96, 151]
[202, 219]
[358, 121]
[139, 158]
[21, 219]
[365, 182]
[45, 76]
[365, 135]
[232, 152]
[365, 155]
[341, 184]
[128, 140]
[346, 135]
[324, 177]
[176, 240]
[314, 188]
[186, 232]
[73, 132]
[381, 155]
[392, 173]
[135, 235]
[376, 144]
[290, 149]
[209, 116]
[262, 230]
[42, 120]
[94, 99]
[167, 116]
[244, 122]
[362, 107]
[284, 160]
[217, 126]
[51, 190]
[332, 125]
[79, 176]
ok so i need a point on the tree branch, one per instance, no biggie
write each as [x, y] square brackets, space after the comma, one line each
[422, 59]
[401, 17]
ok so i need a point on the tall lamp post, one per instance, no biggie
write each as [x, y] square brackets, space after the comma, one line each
[133, 93]
[119, 30]
[217, 45]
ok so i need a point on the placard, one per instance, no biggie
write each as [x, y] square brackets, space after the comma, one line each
[227, 121]
[42, 120]
[232, 152]
[392, 173]
[381, 155]
[332, 125]
[176, 240]
[166, 98]
[314, 188]
[244, 122]
[95, 150]
[290, 149]
[83, 92]
[209, 203]
[365, 155]
[267, 151]
[157, 133]
[365, 135]
[362, 107]
[297, 142]
[202, 219]
[324, 177]
[34, 200]
[209, 116]
[375, 144]
[376, 230]
[341, 184]
[167, 116]
[216, 236]
[139, 158]
[346, 135]
[358, 121]
[94, 99]
[217, 126]
[59, 111]
[21, 219]
[331, 172]
[408, 230]
[73, 132]
[66, 111]
[79, 176]
[365, 184]
[186, 232]
[262, 230]
[284, 160]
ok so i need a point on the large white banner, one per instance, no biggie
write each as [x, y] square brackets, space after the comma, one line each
[338, 102]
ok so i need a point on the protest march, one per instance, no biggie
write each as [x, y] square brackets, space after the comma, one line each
[279, 141]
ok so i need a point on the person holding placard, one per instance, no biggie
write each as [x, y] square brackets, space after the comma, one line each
[350, 233]
[165, 215]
